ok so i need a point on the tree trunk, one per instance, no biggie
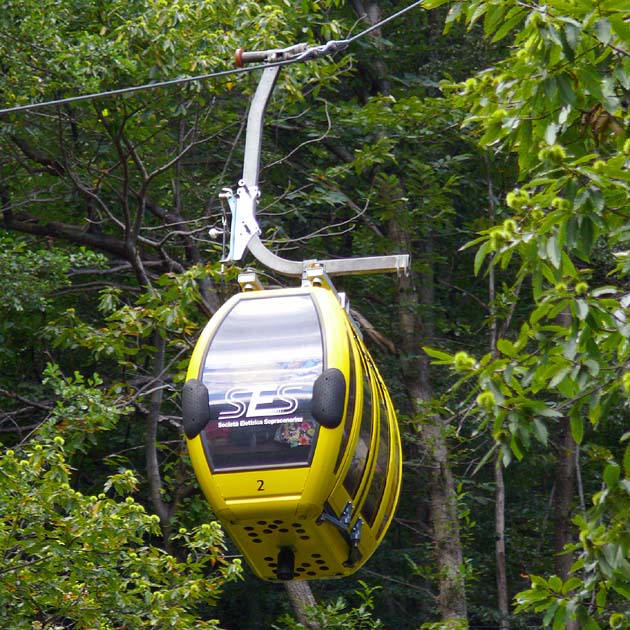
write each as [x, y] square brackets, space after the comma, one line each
[499, 524]
[154, 476]
[564, 491]
[563, 495]
[449, 557]
[563, 503]
[301, 598]
[415, 296]
[499, 485]
[416, 330]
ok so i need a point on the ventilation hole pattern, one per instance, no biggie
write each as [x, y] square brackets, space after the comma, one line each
[312, 566]
[266, 528]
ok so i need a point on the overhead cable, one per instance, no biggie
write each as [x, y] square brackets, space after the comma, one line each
[308, 54]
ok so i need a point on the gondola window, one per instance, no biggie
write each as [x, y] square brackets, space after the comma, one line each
[360, 457]
[259, 370]
[350, 409]
[375, 495]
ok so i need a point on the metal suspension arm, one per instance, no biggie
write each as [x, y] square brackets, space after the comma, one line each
[245, 232]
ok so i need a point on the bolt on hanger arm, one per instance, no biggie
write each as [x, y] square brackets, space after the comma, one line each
[245, 232]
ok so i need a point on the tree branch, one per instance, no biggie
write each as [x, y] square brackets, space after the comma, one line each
[153, 467]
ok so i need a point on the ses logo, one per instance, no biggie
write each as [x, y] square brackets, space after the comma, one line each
[266, 400]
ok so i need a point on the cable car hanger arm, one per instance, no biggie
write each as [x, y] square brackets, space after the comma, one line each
[245, 232]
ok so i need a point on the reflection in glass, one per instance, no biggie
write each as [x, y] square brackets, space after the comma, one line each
[259, 370]
[353, 478]
[377, 486]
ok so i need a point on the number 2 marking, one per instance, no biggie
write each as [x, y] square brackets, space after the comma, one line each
[261, 485]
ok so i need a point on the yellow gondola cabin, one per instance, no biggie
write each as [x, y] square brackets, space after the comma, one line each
[292, 433]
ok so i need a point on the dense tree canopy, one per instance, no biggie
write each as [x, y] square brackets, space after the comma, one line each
[488, 139]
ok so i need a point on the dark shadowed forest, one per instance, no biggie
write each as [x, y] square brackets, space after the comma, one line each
[487, 139]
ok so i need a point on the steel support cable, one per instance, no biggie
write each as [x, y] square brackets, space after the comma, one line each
[310, 53]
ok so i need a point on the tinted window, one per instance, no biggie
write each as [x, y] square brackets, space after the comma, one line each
[259, 371]
[395, 468]
[352, 395]
[361, 452]
[377, 487]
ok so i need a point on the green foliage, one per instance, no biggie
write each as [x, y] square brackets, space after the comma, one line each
[82, 560]
[113, 43]
[128, 329]
[565, 204]
[82, 411]
[73, 560]
[564, 64]
[557, 101]
[448, 624]
[33, 277]
[29, 274]
[597, 593]
[132, 177]
[337, 615]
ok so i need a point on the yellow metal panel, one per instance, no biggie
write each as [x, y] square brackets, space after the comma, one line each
[270, 509]
[262, 484]
[322, 479]
[320, 550]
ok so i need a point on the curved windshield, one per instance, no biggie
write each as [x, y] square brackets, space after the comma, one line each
[259, 369]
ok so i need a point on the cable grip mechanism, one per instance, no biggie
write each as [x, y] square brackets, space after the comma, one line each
[241, 57]
[245, 232]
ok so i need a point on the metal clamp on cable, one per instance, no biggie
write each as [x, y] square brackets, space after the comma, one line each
[268, 56]
[245, 232]
[328, 48]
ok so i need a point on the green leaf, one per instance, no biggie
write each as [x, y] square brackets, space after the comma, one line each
[526, 157]
[591, 624]
[622, 589]
[539, 582]
[443, 357]
[605, 290]
[494, 16]
[453, 12]
[550, 86]
[480, 256]
[568, 268]
[581, 309]
[565, 88]
[593, 366]
[611, 475]
[570, 37]
[591, 79]
[603, 31]
[571, 584]
[559, 376]
[506, 347]
[547, 411]
[570, 348]
[602, 596]
[577, 427]
[585, 237]
[550, 612]
[551, 133]
[553, 251]
[620, 27]
[513, 17]
[561, 617]
[486, 457]
[516, 448]
[475, 11]
[506, 455]
[493, 132]
[540, 431]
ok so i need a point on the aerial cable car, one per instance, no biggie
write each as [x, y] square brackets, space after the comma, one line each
[290, 427]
